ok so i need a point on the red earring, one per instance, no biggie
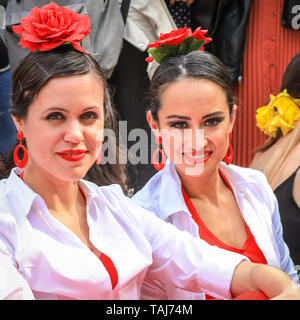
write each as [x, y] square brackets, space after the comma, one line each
[229, 154]
[20, 163]
[158, 165]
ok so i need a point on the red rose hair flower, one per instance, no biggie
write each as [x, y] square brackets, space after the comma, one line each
[200, 35]
[50, 26]
[177, 42]
[172, 38]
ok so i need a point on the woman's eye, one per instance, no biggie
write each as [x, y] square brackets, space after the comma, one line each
[213, 122]
[89, 115]
[55, 116]
[179, 125]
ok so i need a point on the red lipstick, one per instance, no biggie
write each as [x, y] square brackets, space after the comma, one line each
[197, 158]
[72, 155]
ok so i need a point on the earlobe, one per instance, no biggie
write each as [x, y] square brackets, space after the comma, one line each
[234, 109]
[19, 123]
[233, 116]
[152, 123]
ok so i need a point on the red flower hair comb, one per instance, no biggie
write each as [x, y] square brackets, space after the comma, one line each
[176, 43]
[50, 26]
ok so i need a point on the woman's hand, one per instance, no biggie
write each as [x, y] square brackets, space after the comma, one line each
[289, 294]
[273, 282]
[187, 2]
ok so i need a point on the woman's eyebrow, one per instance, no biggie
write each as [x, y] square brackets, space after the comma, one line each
[67, 111]
[178, 117]
[217, 113]
[55, 109]
[189, 118]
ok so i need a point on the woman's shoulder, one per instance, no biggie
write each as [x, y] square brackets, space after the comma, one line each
[2, 187]
[113, 197]
[255, 181]
[15, 196]
[105, 193]
[148, 196]
[110, 189]
[258, 161]
[10, 219]
[6, 199]
[251, 174]
[257, 191]
[290, 165]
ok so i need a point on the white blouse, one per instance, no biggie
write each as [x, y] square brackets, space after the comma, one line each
[258, 205]
[39, 254]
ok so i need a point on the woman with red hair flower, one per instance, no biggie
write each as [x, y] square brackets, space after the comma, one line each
[197, 189]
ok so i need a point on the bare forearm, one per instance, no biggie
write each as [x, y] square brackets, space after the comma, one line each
[258, 277]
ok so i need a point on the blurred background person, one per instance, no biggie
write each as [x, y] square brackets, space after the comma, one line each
[279, 157]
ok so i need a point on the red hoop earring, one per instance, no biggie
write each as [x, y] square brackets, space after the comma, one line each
[158, 165]
[229, 155]
[20, 163]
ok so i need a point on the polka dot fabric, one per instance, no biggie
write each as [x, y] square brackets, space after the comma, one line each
[180, 13]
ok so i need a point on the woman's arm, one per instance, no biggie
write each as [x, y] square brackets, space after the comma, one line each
[191, 264]
[272, 281]
[12, 285]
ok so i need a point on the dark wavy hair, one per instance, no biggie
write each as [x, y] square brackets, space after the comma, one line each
[34, 72]
[291, 77]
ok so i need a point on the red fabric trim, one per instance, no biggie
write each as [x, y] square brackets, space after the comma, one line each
[226, 181]
[82, 193]
[107, 262]
[110, 268]
[250, 245]
[252, 295]
[206, 234]
[250, 249]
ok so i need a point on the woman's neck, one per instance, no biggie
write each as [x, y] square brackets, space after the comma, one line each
[58, 195]
[205, 187]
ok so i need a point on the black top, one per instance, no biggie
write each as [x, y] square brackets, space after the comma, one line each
[290, 217]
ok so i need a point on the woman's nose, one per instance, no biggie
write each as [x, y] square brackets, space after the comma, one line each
[73, 132]
[198, 139]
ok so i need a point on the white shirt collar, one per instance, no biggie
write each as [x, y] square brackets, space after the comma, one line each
[166, 185]
[162, 187]
[170, 186]
[25, 198]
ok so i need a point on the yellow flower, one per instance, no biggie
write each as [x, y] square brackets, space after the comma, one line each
[282, 112]
[264, 117]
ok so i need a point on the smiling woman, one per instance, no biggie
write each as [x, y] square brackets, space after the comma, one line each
[70, 124]
[180, 113]
[192, 113]
[93, 110]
